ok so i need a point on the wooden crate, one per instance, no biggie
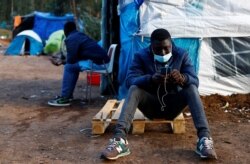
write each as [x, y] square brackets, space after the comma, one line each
[111, 112]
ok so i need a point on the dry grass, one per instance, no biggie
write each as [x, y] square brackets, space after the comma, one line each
[5, 33]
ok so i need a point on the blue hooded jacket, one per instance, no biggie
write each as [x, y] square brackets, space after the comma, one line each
[81, 47]
[143, 67]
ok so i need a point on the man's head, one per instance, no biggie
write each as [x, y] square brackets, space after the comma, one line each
[161, 42]
[69, 27]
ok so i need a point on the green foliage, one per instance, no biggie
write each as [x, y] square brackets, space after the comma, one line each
[92, 25]
[89, 11]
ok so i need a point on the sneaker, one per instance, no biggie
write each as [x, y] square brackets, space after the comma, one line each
[60, 101]
[117, 147]
[205, 148]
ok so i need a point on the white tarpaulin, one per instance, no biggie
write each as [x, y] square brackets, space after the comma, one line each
[196, 18]
[224, 66]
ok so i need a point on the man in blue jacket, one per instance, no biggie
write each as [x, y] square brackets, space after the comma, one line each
[81, 52]
[161, 81]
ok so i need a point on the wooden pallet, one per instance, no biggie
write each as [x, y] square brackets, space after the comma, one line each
[111, 112]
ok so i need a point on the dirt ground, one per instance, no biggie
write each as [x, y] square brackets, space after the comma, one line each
[33, 132]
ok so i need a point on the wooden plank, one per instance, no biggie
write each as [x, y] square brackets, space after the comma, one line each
[139, 115]
[179, 117]
[138, 122]
[117, 113]
[102, 119]
[112, 110]
[178, 124]
[157, 121]
[138, 127]
[99, 127]
[105, 112]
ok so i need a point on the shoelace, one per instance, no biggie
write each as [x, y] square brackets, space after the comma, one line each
[112, 144]
[208, 144]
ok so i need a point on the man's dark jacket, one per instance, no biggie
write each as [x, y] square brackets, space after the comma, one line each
[143, 67]
[81, 47]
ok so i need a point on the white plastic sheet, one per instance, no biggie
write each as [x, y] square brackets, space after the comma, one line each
[225, 66]
[196, 18]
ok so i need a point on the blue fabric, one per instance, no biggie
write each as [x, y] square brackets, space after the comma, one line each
[45, 23]
[81, 47]
[35, 47]
[138, 2]
[192, 46]
[88, 65]
[16, 45]
[70, 77]
[130, 43]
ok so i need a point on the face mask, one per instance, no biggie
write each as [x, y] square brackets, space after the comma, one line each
[163, 59]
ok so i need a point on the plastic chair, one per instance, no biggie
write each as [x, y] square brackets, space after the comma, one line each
[108, 69]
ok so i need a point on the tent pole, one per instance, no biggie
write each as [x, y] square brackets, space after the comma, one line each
[104, 25]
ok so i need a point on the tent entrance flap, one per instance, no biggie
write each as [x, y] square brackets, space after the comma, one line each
[26, 46]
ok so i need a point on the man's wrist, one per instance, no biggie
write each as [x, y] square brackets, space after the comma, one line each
[183, 79]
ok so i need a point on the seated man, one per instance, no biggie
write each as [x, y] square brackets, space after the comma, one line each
[81, 52]
[162, 82]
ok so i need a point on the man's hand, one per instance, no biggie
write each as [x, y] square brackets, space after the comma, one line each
[177, 77]
[57, 59]
[158, 78]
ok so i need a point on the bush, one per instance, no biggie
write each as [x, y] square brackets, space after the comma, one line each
[92, 25]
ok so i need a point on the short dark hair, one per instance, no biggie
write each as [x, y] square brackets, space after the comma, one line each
[69, 27]
[160, 35]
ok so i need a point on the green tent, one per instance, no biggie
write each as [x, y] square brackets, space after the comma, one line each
[55, 43]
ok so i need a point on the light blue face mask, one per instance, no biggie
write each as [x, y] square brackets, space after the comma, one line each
[163, 59]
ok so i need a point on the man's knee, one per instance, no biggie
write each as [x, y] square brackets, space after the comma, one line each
[134, 90]
[191, 90]
[68, 66]
[72, 67]
[191, 87]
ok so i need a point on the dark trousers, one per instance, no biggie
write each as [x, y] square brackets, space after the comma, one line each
[150, 106]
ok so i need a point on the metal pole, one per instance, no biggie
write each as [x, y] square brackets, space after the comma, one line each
[104, 25]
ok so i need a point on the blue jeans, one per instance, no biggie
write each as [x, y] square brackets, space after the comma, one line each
[149, 105]
[71, 74]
